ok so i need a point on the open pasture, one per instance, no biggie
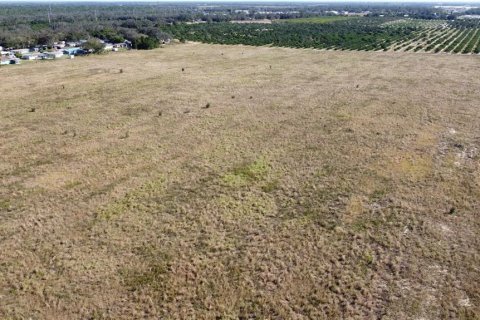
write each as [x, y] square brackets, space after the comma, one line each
[213, 181]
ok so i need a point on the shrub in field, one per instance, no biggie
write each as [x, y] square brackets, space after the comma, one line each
[145, 43]
[93, 45]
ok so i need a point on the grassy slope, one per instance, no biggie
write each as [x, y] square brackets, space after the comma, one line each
[316, 185]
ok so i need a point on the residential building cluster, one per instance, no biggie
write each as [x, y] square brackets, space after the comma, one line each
[68, 49]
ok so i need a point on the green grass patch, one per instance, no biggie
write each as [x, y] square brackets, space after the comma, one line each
[4, 204]
[246, 174]
[154, 276]
[72, 184]
[325, 19]
[252, 205]
[131, 200]
[270, 186]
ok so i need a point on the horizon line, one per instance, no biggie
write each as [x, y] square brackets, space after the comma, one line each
[451, 2]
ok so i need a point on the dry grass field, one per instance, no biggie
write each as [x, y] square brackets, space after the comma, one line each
[257, 183]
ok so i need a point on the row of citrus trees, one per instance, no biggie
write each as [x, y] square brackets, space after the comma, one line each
[352, 34]
[465, 40]
[458, 37]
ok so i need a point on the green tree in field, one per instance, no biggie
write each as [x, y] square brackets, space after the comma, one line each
[145, 43]
[93, 45]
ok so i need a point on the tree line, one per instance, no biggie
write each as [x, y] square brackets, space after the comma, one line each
[26, 25]
[353, 34]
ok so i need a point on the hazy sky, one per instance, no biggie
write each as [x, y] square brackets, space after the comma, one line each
[283, 1]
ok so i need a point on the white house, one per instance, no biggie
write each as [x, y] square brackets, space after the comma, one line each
[20, 51]
[4, 60]
[8, 60]
[53, 54]
[59, 45]
[30, 56]
[120, 45]
[107, 46]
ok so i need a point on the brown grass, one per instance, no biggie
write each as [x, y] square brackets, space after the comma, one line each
[324, 190]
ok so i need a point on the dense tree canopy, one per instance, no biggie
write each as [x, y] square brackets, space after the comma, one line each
[353, 34]
[94, 45]
[145, 43]
[25, 25]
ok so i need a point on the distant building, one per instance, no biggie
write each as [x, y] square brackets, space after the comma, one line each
[455, 9]
[20, 51]
[121, 45]
[59, 45]
[9, 60]
[107, 46]
[4, 60]
[353, 14]
[75, 51]
[53, 55]
[30, 56]
[470, 16]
